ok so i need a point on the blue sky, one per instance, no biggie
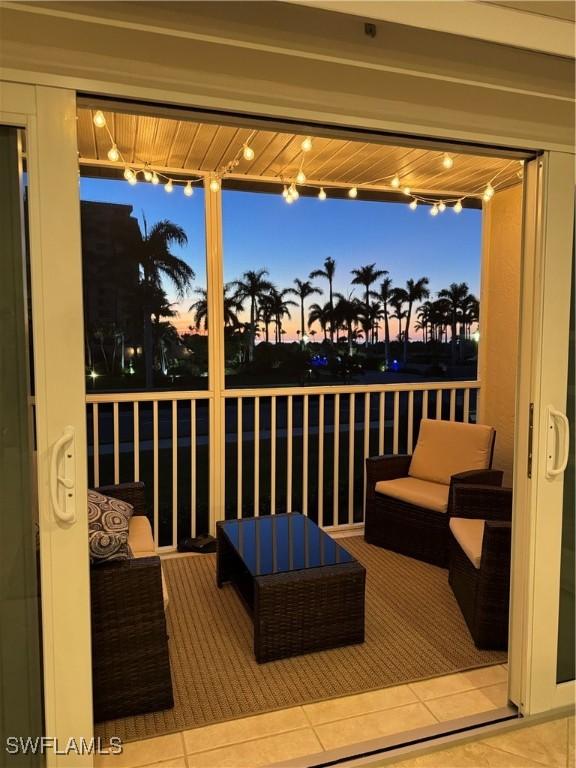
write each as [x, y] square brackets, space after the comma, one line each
[262, 231]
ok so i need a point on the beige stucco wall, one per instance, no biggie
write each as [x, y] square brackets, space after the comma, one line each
[501, 246]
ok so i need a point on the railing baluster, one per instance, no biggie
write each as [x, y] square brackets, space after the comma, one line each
[305, 456]
[336, 496]
[174, 472]
[439, 403]
[381, 423]
[289, 456]
[240, 443]
[116, 433]
[425, 404]
[366, 445]
[466, 414]
[273, 455]
[193, 478]
[410, 444]
[136, 417]
[256, 456]
[155, 469]
[452, 404]
[396, 422]
[351, 435]
[96, 444]
[321, 460]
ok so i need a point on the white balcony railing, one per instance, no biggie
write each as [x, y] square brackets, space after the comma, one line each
[293, 448]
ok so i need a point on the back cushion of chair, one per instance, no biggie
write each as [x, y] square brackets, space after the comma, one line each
[445, 448]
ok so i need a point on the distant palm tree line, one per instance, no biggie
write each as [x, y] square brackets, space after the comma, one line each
[345, 319]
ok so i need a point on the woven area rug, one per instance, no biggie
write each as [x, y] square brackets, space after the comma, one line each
[414, 630]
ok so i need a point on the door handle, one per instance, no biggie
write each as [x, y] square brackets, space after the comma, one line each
[65, 444]
[557, 423]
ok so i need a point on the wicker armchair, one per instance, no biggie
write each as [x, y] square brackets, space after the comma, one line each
[409, 498]
[479, 571]
[130, 660]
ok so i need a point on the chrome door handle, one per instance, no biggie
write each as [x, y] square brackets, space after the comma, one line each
[65, 513]
[557, 421]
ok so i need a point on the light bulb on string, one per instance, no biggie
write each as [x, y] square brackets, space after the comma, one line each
[113, 154]
[395, 181]
[248, 152]
[285, 192]
[414, 205]
[215, 185]
[188, 191]
[488, 192]
[301, 177]
[155, 179]
[353, 192]
[147, 174]
[457, 206]
[289, 199]
[434, 210]
[306, 145]
[447, 161]
[321, 194]
[406, 190]
[294, 194]
[441, 206]
[99, 119]
[133, 180]
[129, 174]
[169, 186]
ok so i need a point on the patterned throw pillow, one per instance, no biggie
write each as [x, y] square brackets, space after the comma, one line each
[108, 520]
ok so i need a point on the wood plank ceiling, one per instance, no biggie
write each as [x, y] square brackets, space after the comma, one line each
[185, 147]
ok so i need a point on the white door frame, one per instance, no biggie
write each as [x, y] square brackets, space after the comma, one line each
[49, 117]
[542, 382]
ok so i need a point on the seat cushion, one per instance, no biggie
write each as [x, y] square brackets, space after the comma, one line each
[469, 534]
[141, 543]
[108, 521]
[421, 493]
[446, 448]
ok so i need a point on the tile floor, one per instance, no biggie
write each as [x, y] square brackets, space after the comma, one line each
[270, 738]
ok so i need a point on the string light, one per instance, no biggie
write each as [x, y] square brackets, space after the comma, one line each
[99, 119]
[321, 194]
[147, 174]
[215, 184]
[294, 194]
[447, 161]
[133, 180]
[434, 210]
[113, 154]
[248, 152]
[488, 193]
[413, 205]
[129, 174]
[457, 206]
[289, 199]
[441, 206]
[188, 191]
[395, 182]
[285, 192]
[353, 192]
[306, 145]
[301, 177]
[169, 186]
[155, 178]
[406, 190]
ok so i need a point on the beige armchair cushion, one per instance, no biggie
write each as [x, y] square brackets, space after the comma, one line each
[141, 543]
[469, 533]
[421, 493]
[446, 448]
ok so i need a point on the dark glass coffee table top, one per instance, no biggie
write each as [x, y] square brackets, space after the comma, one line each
[282, 543]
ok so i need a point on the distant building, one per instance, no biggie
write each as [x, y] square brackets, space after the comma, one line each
[110, 275]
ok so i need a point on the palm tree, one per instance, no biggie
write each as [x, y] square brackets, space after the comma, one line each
[346, 312]
[304, 288]
[424, 314]
[328, 273]
[385, 293]
[375, 317]
[324, 315]
[280, 309]
[156, 262]
[367, 276]
[456, 296]
[200, 308]
[470, 313]
[398, 297]
[251, 286]
[416, 290]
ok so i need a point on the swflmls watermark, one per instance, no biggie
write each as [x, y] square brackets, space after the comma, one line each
[41, 745]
